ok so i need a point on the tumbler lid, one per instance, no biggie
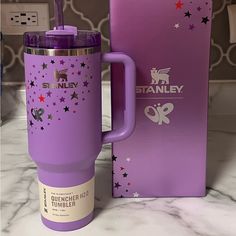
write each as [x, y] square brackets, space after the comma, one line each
[68, 38]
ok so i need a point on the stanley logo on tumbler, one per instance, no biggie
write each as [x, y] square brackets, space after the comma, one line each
[61, 78]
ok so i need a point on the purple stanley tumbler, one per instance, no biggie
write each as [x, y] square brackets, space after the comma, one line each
[63, 84]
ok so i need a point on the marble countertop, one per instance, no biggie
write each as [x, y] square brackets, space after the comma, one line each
[213, 215]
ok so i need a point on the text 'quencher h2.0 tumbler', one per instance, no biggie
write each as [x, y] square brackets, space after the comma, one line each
[63, 90]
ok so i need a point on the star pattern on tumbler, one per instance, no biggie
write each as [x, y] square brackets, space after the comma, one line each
[66, 109]
[44, 66]
[41, 98]
[49, 93]
[50, 117]
[62, 99]
[82, 64]
[114, 158]
[52, 101]
[32, 84]
[74, 95]
[86, 83]
[31, 123]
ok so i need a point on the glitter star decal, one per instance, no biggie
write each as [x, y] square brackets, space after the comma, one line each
[42, 128]
[177, 25]
[62, 62]
[179, 5]
[125, 175]
[205, 20]
[86, 83]
[82, 64]
[49, 93]
[122, 168]
[117, 185]
[187, 14]
[136, 195]
[32, 84]
[72, 65]
[31, 123]
[41, 98]
[45, 66]
[74, 95]
[62, 99]
[52, 62]
[114, 158]
[50, 117]
[66, 109]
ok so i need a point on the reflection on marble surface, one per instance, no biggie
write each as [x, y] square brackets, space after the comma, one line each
[213, 215]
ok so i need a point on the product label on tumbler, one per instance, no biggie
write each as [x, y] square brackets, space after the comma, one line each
[66, 204]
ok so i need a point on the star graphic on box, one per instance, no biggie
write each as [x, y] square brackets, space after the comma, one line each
[179, 5]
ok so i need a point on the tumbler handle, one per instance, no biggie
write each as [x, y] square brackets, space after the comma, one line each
[130, 86]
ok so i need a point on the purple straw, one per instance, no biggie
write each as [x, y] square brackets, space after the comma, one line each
[58, 12]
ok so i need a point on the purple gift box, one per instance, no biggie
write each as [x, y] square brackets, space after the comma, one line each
[170, 43]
